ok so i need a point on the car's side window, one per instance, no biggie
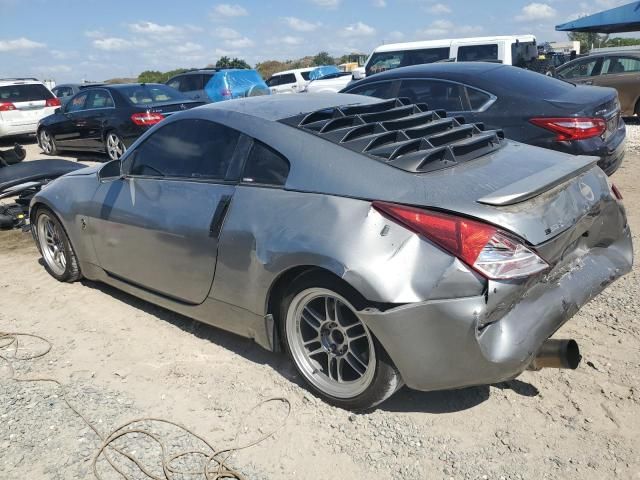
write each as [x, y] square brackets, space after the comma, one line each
[190, 83]
[616, 65]
[77, 103]
[585, 68]
[477, 99]
[192, 148]
[436, 94]
[176, 83]
[63, 92]
[265, 166]
[377, 89]
[99, 99]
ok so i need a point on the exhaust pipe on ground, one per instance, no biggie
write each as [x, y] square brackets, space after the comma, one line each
[557, 354]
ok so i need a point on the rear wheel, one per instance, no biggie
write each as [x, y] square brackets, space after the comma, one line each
[47, 142]
[332, 349]
[114, 146]
[59, 258]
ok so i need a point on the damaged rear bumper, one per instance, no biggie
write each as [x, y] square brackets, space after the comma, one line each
[442, 344]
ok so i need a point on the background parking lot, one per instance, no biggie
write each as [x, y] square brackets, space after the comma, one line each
[123, 358]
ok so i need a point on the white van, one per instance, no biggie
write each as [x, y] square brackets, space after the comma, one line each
[510, 50]
[289, 81]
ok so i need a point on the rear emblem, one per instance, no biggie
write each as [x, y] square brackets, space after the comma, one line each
[586, 191]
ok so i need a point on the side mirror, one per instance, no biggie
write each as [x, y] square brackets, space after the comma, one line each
[111, 170]
[58, 110]
[358, 74]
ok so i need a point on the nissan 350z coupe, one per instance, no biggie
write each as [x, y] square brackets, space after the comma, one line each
[378, 243]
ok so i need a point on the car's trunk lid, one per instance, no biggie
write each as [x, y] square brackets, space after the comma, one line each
[169, 108]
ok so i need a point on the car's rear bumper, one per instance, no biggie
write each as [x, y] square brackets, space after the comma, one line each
[8, 130]
[440, 344]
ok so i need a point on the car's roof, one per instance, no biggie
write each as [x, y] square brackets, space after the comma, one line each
[392, 47]
[450, 70]
[277, 107]
[294, 70]
[119, 86]
[20, 81]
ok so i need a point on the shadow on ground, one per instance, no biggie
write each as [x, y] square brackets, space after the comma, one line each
[405, 400]
[31, 140]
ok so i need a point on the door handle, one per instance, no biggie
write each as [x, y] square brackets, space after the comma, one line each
[218, 216]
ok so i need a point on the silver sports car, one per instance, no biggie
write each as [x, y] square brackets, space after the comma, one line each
[379, 243]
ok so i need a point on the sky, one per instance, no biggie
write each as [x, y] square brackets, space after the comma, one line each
[74, 40]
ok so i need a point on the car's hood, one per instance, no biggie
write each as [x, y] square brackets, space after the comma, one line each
[86, 170]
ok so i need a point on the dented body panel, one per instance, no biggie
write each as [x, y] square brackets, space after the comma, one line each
[443, 324]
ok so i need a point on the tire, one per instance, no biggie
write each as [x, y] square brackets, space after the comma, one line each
[60, 260]
[333, 351]
[636, 110]
[113, 145]
[47, 142]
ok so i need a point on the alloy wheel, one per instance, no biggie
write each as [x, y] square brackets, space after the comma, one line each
[46, 142]
[52, 244]
[331, 346]
[115, 147]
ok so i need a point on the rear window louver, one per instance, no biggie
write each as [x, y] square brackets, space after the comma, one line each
[401, 134]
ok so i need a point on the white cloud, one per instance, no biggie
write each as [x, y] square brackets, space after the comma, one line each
[63, 55]
[438, 9]
[445, 28]
[536, 11]
[227, 33]
[394, 36]
[55, 69]
[188, 48]
[19, 44]
[94, 34]
[239, 43]
[327, 3]
[379, 3]
[153, 28]
[290, 40]
[112, 44]
[358, 29]
[300, 25]
[229, 10]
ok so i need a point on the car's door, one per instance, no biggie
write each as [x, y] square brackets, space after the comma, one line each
[91, 120]
[158, 226]
[623, 74]
[583, 71]
[66, 132]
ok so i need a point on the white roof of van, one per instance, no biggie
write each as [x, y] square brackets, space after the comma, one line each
[392, 47]
[295, 70]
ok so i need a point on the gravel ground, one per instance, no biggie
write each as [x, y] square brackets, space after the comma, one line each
[121, 358]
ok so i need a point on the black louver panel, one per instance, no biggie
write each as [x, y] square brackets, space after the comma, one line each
[401, 134]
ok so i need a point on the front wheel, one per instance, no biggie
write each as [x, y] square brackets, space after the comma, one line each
[332, 349]
[47, 142]
[59, 258]
[114, 146]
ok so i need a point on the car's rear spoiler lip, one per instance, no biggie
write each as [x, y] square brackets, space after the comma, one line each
[540, 182]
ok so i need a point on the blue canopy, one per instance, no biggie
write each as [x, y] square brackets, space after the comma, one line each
[621, 19]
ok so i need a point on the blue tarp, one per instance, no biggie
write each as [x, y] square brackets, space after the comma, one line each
[232, 83]
[323, 71]
[621, 19]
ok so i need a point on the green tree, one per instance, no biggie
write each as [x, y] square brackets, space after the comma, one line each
[150, 76]
[323, 58]
[622, 42]
[226, 62]
[588, 40]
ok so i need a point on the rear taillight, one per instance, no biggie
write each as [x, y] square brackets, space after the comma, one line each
[225, 92]
[489, 251]
[146, 118]
[579, 128]
[52, 102]
[6, 106]
[616, 192]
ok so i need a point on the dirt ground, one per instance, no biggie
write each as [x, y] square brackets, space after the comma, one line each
[122, 358]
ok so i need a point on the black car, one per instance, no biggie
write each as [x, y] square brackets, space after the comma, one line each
[109, 118]
[529, 107]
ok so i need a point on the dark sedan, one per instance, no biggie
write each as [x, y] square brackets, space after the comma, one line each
[529, 107]
[109, 118]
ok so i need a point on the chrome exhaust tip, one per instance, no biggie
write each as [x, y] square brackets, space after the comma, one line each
[557, 354]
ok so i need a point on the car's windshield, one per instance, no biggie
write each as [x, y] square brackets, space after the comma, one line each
[382, 61]
[145, 94]
[24, 93]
